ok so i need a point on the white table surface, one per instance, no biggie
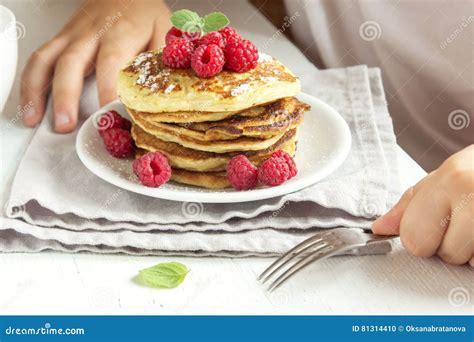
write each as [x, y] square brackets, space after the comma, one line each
[58, 283]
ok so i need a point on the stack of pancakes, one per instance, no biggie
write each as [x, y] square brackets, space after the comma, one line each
[201, 123]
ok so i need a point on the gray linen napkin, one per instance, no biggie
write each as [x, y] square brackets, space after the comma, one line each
[56, 203]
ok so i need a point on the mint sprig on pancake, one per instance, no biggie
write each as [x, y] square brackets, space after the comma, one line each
[189, 21]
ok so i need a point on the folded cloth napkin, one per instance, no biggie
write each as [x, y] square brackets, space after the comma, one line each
[56, 203]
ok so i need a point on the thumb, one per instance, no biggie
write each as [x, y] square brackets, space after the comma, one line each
[389, 224]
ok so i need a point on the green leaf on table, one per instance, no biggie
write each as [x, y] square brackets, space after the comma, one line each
[215, 21]
[166, 275]
[185, 20]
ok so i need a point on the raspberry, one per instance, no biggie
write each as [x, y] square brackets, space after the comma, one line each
[152, 169]
[174, 34]
[112, 119]
[207, 60]
[177, 55]
[118, 142]
[273, 171]
[289, 161]
[241, 173]
[241, 56]
[212, 38]
[229, 34]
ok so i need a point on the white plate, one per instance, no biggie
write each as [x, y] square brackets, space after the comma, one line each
[324, 141]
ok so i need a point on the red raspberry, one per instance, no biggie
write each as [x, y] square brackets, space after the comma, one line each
[229, 34]
[273, 171]
[289, 161]
[152, 169]
[241, 173]
[118, 142]
[207, 60]
[112, 119]
[241, 56]
[212, 38]
[177, 55]
[174, 34]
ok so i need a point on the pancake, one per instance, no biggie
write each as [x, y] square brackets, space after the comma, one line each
[147, 85]
[243, 143]
[188, 159]
[275, 119]
[187, 116]
[209, 180]
[277, 116]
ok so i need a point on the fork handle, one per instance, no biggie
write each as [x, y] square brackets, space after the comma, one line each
[372, 248]
[377, 238]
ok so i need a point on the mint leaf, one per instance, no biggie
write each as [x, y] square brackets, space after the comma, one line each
[182, 18]
[193, 26]
[215, 21]
[165, 275]
[189, 21]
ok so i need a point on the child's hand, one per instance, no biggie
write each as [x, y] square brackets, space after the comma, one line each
[102, 35]
[436, 216]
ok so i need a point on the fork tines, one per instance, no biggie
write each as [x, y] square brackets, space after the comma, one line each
[317, 247]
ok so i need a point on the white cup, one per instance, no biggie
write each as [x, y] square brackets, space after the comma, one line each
[9, 32]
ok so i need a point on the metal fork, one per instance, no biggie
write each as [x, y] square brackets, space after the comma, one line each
[323, 245]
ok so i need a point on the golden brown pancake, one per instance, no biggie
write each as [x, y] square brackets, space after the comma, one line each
[188, 159]
[277, 116]
[147, 85]
[198, 116]
[275, 119]
[162, 132]
[209, 180]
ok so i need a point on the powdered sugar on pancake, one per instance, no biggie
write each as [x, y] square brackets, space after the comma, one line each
[149, 71]
[263, 57]
[142, 58]
[240, 89]
[170, 88]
